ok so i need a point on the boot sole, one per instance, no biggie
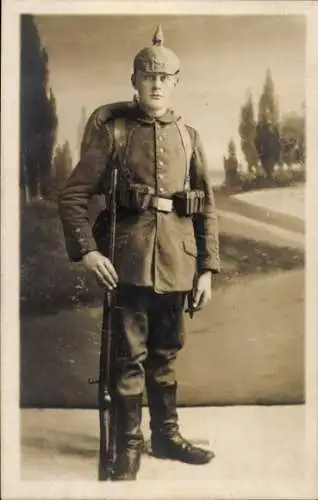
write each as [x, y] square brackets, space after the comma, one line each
[162, 456]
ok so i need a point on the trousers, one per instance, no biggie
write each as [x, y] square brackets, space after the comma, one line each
[149, 331]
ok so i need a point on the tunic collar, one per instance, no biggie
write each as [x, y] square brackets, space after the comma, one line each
[168, 117]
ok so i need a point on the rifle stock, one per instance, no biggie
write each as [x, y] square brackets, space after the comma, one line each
[105, 397]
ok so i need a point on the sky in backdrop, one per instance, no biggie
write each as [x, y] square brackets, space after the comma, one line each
[222, 58]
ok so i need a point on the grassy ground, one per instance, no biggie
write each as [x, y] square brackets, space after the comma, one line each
[50, 282]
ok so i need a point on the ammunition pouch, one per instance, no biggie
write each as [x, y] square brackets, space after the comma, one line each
[136, 198]
[188, 203]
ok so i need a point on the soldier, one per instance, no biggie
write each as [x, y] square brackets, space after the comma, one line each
[166, 246]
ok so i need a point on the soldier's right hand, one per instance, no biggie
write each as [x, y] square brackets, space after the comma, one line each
[102, 268]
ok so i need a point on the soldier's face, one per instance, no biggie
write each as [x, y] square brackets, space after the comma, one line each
[155, 90]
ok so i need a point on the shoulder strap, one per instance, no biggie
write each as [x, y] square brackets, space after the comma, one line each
[188, 149]
[120, 142]
[119, 136]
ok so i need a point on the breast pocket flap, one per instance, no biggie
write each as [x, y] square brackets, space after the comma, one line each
[190, 247]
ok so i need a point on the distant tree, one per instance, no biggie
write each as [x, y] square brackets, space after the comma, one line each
[48, 143]
[53, 125]
[247, 130]
[232, 151]
[268, 104]
[267, 130]
[38, 120]
[62, 167]
[231, 165]
[292, 138]
[81, 127]
[67, 158]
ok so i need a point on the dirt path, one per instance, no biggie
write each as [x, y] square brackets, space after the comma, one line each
[269, 206]
[253, 444]
[288, 201]
[241, 225]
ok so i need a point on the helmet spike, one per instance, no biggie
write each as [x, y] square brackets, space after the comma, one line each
[157, 58]
[158, 37]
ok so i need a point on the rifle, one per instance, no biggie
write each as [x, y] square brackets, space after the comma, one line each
[107, 408]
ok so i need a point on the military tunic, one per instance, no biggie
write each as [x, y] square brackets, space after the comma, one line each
[153, 249]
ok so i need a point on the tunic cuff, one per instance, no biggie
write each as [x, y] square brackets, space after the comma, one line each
[79, 243]
[210, 264]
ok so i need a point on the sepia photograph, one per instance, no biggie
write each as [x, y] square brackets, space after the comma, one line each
[161, 170]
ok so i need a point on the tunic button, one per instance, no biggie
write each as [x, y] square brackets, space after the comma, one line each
[160, 138]
[161, 150]
[160, 163]
[161, 190]
[160, 176]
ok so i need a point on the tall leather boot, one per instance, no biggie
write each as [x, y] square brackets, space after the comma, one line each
[166, 440]
[129, 439]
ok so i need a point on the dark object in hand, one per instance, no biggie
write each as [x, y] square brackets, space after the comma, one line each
[190, 304]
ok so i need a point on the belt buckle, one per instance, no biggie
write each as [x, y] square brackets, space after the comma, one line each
[164, 205]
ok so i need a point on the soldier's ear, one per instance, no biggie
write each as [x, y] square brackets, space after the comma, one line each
[133, 80]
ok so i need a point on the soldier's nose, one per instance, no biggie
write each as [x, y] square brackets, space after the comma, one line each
[156, 82]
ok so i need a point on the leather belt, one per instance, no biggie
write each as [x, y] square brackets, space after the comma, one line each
[161, 204]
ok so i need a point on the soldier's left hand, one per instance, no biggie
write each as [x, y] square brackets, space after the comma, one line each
[203, 290]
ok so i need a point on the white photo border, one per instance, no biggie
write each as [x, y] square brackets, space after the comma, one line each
[12, 486]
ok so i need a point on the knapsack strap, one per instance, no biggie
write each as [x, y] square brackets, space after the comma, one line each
[188, 150]
[120, 143]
